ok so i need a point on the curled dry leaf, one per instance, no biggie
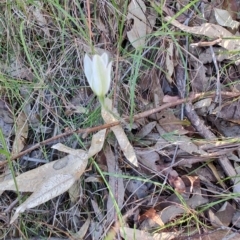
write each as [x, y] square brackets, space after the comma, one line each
[96, 146]
[97, 143]
[151, 214]
[223, 216]
[176, 182]
[149, 159]
[224, 18]
[220, 53]
[21, 133]
[49, 180]
[74, 191]
[137, 187]
[211, 31]
[119, 133]
[146, 130]
[171, 212]
[206, 102]
[169, 62]
[137, 35]
[185, 143]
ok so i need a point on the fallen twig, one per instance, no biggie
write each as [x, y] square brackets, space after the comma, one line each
[191, 98]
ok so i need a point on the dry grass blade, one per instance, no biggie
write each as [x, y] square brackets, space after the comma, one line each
[116, 187]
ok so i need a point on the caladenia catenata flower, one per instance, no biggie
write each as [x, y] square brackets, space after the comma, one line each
[98, 72]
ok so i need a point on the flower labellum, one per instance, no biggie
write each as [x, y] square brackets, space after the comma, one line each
[98, 73]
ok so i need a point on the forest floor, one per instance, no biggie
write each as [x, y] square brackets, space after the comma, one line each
[158, 158]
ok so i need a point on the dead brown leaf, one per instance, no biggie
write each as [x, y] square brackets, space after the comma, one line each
[146, 130]
[149, 159]
[21, 133]
[176, 182]
[210, 30]
[185, 143]
[169, 62]
[45, 181]
[119, 133]
[151, 214]
[136, 11]
[224, 19]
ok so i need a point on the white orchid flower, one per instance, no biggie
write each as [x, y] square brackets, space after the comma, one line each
[98, 73]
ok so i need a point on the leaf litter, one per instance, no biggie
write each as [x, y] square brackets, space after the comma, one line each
[160, 177]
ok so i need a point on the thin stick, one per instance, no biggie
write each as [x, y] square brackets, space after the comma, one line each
[218, 95]
[207, 44]
[192, 98]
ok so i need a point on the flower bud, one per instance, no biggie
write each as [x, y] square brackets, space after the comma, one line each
[98, 73]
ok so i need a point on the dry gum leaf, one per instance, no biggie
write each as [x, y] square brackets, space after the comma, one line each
[119, 133]
[146, 130]
[21, 133]
[97, 143]
[185, 143]
[223, 216]
[210, 30]
[224, 18]
[54, 178]
[169, 63]
[137, 35]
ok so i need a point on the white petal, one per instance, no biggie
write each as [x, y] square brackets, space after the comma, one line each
[108, 78]
[98, 74]
[104, 57]
[88, 69]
